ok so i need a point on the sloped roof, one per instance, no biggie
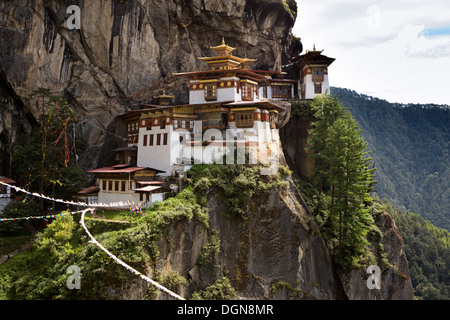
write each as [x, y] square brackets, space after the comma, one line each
[7, 180]
[88, 190]
[123, 169]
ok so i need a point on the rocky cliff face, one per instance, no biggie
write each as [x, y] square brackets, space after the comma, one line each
[125, 53]
[395, 281]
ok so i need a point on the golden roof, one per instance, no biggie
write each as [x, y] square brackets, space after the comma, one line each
[223, 48]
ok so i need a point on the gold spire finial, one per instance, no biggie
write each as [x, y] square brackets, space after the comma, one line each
[223, 41]
[314, 47]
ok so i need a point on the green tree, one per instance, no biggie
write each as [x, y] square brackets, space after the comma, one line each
[344, 179]
[42, 160]
[56, 237]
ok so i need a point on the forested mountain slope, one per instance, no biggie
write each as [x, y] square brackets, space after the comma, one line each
[428, 252]
[410, 148]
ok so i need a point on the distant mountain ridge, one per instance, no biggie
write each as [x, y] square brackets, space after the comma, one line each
[410, 148]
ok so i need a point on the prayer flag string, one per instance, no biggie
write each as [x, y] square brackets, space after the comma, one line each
[41, 217]
[137, 208]
[142, 276]
[118, 204]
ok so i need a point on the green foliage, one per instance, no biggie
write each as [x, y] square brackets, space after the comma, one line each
[428, 252]
[174, 280]
[221, 289]
[342, 179]
[23, 207]
[210, 249]
[291, 7]
[41, 273]
[43, 160]
[56, 237]
[292, 289]
[410, 145]
[236, 183]
[184, 205]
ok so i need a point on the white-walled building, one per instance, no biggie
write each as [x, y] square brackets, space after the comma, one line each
[126, 183]
[231, 107]
[5, 192]
[313, 73]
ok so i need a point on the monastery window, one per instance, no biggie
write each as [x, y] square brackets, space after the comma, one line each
[145, 140]
[247, 92]
[166, 136]
[104, 185]
[318, 75]
[92, 199]
[163, 123]
[264, 91]
[110, 185]
[244, 120]
[124, 186]
[116, 185]
[211, 92]
[317, 88]
[158, 139]
[175, 124]
[281, 92]
[152, 139]
[133, 127]
[149, 124]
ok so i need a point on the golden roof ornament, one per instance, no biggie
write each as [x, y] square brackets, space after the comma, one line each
[164, 95]
[223, 49]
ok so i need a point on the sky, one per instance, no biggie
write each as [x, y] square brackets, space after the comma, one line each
[397, 50]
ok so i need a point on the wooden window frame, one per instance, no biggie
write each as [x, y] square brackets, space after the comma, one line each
[248, 92]
[317, 88]
[144, 143]
[318, 75]
[211, 92]
[244, 120]
[158, 139]
[282, 92]
[152, 140]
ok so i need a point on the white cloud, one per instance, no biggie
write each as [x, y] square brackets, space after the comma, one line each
[381, 47]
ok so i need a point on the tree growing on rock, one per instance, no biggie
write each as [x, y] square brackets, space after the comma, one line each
[343, 178]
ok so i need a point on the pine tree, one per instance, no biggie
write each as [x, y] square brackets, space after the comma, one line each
[344, 179]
